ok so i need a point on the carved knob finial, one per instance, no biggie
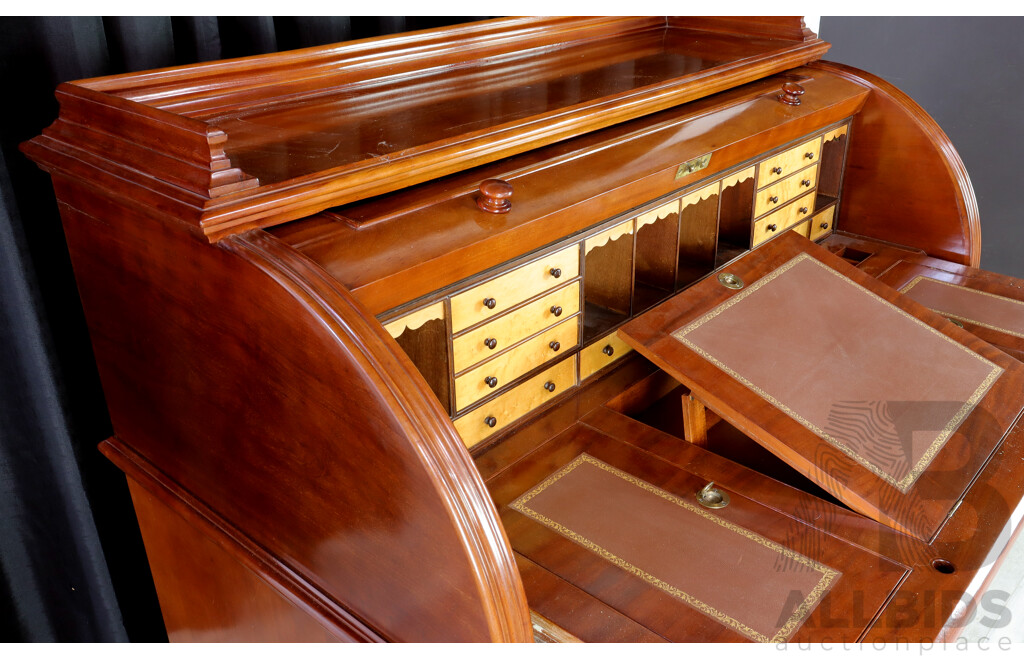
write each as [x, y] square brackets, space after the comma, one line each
[494, 196]
[791, 93]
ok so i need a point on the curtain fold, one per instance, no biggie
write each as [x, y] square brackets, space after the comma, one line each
[72, 564]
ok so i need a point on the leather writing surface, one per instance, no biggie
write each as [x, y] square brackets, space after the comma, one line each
[965, 304]
[846, 364]
[750, 580]
[882, 402]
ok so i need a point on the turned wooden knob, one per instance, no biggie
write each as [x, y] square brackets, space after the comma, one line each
[494, 196]
[491, 421]
[556, 310]
[490, 343]
[776, 170]
[489, 303]
[491, 381]
[608, 350]
[806, 182]
[772, 227]
[549, 386]
[556, 272]
[803, 209]
[554, 346]
[791, 93]
[773, 199]
[824, 225]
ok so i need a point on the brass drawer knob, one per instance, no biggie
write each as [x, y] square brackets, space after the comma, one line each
[608, 350]
[712, 498]
[773, 199]
[776, 170]
[490, 343]
[556, 272]
[491, 381]
[489, 303]
[491, 421]
[803, 209]
[555, 345]
[806, 182]
[494, 196]
[549, 386]
[772, 227]
[556, 310]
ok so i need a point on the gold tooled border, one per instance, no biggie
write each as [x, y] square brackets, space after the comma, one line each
[917, 279]
[829, 575]
[904, 484]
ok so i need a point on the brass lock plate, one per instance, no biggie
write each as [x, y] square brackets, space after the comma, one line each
[693, 165]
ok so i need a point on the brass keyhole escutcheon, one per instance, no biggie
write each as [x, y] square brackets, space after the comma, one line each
[730, 281]
[712, 498]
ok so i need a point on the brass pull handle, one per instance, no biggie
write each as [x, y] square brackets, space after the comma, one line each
[772, 227]
[773, 199]
[555, 345]
[824, 225]
[557, 311]
[549, 386]
[809, 155]
[491, 381]
[491, 421]
[489, 303]
[776, 170]
[806, 182]
[556, 272]
[490, 343]
[711, 497]
[608, 350]
[803, 209]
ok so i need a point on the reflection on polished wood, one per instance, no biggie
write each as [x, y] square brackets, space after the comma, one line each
[349, 304]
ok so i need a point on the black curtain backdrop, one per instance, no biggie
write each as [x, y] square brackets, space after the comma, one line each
[72, 563]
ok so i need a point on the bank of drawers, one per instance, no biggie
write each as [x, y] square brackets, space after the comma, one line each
[506, 408]
[504, 292]
[788, 162]
[775, 223]
[779, 194]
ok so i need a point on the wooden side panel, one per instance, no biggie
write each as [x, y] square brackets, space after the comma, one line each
[247, 376]
[905, 182]
[206, 594]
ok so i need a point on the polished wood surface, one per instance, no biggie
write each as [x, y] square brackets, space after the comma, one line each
[283, 399]
[232, 150]
[896, 146]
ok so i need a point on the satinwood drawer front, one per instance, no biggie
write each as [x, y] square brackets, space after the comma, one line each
[483, 380]
[804, 229]
[782, 165]
[493, 297]
[502, 332]
[776, 195]
[822, 223]
[601, 353]
[775, 223]
[521, 399]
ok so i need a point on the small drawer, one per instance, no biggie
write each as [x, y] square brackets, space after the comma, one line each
[776, 195]
[504, 292]
[782, 165]
[804, 229]
[521, 399]
[502, 332]
[601, 353]
[822, 223]
[487, 378]
[775, 223]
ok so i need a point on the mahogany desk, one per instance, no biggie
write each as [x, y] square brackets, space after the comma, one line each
[566, 329]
